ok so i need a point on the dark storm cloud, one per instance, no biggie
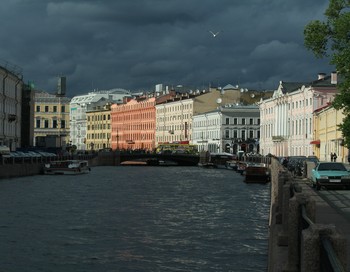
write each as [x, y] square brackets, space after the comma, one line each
[137, 44]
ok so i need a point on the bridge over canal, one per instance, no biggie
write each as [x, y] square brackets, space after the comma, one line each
[117, 158]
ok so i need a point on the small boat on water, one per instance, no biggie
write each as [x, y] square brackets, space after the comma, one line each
[216, 160]
[67, 167]
[257, 173]
[232, 164]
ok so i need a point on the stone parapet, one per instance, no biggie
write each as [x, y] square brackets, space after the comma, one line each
[293, 244]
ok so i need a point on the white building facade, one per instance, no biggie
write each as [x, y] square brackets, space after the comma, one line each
[82, 103]
[206, 131]
[231, 128]
[287, 118]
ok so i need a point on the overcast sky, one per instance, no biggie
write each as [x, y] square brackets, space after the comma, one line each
[136, 44]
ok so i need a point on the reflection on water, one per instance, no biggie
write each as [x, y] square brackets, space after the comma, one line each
[134, 219]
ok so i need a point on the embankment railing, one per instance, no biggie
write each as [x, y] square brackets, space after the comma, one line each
[310, 246]
[329, 261]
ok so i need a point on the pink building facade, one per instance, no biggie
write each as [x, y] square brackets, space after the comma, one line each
[133, 125]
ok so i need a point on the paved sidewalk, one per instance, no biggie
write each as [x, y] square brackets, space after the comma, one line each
[332, 207]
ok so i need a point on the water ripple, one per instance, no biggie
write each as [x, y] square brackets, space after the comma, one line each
[134, 219]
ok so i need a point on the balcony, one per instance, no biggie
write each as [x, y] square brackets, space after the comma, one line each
[12, 117]
[277, 138]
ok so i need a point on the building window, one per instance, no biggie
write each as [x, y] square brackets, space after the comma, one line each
[251, 134]
[227, 134]
[46, 124]
[63, 123]
[63, 108]
[243, 121]
[243, 135]
[235, 121]
[37, 123]
[54, 123]
[46, 108]
[227, 121]
[37, 108]
[251, 121]
[54, 108]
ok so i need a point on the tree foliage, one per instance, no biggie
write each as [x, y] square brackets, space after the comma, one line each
[331, 39]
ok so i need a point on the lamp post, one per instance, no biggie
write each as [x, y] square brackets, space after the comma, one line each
[117, 140]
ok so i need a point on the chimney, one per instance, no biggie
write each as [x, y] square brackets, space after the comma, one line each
[334, 78]
[321, 76]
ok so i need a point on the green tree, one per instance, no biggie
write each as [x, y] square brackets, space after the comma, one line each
[331, 38]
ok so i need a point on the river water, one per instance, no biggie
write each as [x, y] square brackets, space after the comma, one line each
[134, 218]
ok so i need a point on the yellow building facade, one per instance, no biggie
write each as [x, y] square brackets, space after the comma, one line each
[328, 137]
[98, 134]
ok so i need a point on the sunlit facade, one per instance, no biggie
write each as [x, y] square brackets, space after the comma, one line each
[133, 124]
[328, 138]
[99, 127]
[51, 120]
[287, 127]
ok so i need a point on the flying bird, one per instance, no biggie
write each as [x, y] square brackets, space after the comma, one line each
[214, 34]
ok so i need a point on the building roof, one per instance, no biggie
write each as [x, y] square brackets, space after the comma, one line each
[288, 87]
[92, 97]
[45, 97]
[230, 87]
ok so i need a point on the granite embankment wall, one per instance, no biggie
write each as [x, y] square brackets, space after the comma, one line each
[296, 242]
[11, 169]
[20, 169]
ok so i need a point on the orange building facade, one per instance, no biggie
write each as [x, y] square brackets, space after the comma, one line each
[133, 124]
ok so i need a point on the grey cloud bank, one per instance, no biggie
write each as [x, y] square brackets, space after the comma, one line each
[137, 44]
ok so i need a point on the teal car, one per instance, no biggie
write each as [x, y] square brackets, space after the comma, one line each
[330, 175]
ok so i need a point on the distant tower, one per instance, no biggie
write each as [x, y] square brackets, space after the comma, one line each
[61, 86]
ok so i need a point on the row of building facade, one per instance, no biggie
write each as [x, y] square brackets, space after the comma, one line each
[296, 119]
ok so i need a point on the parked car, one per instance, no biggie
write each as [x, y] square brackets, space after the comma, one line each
[330, 175]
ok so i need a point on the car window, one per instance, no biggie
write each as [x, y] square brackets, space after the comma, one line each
[331, 167]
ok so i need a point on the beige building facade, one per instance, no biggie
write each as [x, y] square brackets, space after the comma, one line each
[11, 86]
[51, 120]
[174, 121]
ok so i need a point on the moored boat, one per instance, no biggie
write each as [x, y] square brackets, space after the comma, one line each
[216, 160]
[257, 173]
[66, 167]
[232, 164]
